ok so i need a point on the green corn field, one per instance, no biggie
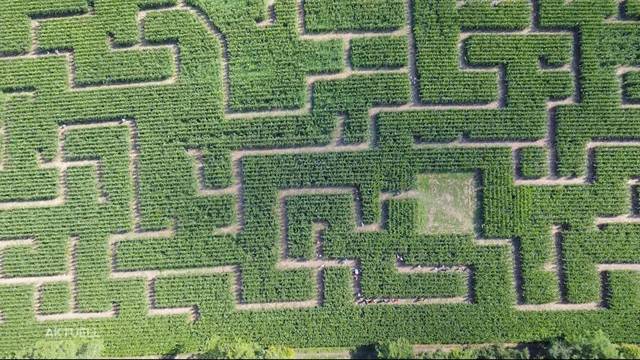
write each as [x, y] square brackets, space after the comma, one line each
[318, 173]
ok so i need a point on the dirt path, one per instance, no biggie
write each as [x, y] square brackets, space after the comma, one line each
[560, 307]
[329, 354]
[16, 242]
[622, 219]
[417, 349]
[618, 267]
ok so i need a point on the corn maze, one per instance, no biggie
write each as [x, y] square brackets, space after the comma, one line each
[173, 169]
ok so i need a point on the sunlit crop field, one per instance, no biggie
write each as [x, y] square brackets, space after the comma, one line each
[318, 173]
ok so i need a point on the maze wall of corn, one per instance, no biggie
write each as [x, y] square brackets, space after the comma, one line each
[318, 173]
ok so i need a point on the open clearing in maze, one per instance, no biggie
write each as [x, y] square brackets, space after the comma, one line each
[173, 169]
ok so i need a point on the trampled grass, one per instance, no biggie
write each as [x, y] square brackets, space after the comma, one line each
[446, 203]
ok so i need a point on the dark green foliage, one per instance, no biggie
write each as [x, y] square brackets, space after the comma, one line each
[484, 352]
[220, 349]
[594, 345]
[217, 349]
[54, 298]
[630, 351]
[62, 349]
[533, 163]
[270, 75]
[500, 352]
[462, 353]
[632, 9]
[279, 352]
[355, 95]
[436, 30]
[624, 290]
[15, 25]
[589, 346]
[398, 349]
[379, 52]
